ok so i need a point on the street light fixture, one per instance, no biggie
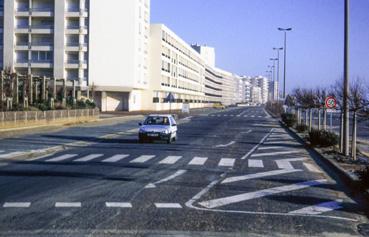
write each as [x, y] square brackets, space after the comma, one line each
[274, 59]
[285, 30]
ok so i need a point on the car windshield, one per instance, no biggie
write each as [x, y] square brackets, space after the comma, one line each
[157, 121]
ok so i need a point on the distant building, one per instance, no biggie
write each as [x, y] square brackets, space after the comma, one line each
[256, 95]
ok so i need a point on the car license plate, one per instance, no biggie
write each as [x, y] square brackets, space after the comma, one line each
[153, 135]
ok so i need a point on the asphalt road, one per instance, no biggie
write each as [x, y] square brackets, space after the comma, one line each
[231, 173]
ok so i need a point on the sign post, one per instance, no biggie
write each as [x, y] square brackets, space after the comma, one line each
[170, 98]
[331, 104]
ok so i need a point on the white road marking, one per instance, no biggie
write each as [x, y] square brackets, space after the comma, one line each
[276, 153]
[225, 145]
[62, 157]
[258, 175]
[255, 147]
[170, 160]
[312, 168]
[198, 161]
[17, 204]
[259, 194]
[320, 208]
[168, 205]
[256, 163]
[68, 204]
[271, 148]
[282, 142]
[171, 177]
[115, 158]
[142, 159]
[246, 132]
[286, 163]
[89, 157]
[10, 155]
[228, 162]
[119, 204]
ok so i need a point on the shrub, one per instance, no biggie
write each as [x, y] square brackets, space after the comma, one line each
[364, 177]
[301, 128]
[289, 119]
[90, 104]
[322, 138]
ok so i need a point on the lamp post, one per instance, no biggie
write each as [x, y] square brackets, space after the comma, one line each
[274, 60]
[346, 131]
[285, 30]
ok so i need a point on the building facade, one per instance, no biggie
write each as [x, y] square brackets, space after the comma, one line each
[176, 69]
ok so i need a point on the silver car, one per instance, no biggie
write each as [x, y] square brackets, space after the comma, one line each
[158, 127]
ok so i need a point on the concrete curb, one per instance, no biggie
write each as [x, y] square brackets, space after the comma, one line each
[349, 179]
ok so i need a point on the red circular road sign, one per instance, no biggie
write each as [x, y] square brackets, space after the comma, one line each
[330, 102]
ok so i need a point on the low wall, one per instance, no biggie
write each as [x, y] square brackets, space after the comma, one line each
[34, 118]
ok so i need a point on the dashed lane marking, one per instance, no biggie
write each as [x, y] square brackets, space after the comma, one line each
[116, 158]
[89, 157]
[170, 160]
[62, 157]
[275, 153]
[258, 175]
[142, 159]
[259, 194]
[255, 163]
[68, 204]
[319, 208]
[312, 168]
[227, 162]
[168, 205]
[17, 204]
[198, 161]
[118, 204]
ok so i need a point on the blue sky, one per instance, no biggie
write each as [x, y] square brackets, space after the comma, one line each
[245, 31]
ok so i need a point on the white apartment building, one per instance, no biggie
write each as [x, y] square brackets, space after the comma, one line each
[273, 90]
[230, 87]
[213, 85]
[256, 95]
[247, 89]
[93, 43]
[263, 83]
[176, 68]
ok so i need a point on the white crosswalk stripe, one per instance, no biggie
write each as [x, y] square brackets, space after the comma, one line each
[320, 208]
[142, 159]
[271, 148]
[170, 160]
[198, 161]
[115, 158]
[258, 175]
[119, 204]
[17, 204]
[312, 168]
[62, 158]
[89, 157]
[226, 162]
[256, 164]
[286, 163]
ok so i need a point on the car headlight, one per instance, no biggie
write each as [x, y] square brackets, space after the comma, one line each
[166, 132]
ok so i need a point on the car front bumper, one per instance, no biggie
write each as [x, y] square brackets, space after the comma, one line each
[153, 136]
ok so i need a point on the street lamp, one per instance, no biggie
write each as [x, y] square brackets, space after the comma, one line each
[278, 49]
[274, 59]
[285, 56]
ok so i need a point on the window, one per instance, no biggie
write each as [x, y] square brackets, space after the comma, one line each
[42, 56]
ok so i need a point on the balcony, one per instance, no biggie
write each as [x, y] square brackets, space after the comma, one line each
[42, 29]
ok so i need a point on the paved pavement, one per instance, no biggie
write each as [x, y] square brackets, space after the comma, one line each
[231, 173]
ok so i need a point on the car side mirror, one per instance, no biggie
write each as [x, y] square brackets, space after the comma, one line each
[139, 124]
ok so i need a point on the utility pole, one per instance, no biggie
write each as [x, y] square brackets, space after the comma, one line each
[346, 131]
[278, 49]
